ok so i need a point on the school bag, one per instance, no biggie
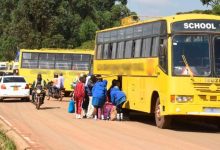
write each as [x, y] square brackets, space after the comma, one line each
[107, 110]
[71, 107]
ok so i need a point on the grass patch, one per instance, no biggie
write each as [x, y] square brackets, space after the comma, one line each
[5, 142]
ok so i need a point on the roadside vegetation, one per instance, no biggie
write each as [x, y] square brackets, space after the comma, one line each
[6, 143]
[55, 23]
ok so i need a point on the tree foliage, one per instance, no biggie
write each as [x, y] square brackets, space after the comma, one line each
[210, 2]
[55, 23]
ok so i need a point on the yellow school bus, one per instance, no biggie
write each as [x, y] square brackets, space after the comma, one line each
[71, 63]
[167, 66]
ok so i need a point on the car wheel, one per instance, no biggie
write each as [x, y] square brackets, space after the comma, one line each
[1, 99]
[27, 99]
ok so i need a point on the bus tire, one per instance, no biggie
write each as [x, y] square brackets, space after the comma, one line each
[162, 122]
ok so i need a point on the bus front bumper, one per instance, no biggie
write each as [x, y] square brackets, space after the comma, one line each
[198, 110]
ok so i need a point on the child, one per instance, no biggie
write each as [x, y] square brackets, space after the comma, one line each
[79, 95]
[90, 82]
[118, 98]
[98, 97]
[114, 81]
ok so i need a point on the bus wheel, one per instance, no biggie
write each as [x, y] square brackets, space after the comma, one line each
[162, 122]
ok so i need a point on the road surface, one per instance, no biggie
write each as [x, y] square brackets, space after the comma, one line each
[52, 128]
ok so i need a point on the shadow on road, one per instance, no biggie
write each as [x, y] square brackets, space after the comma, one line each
[179, 123]
[43, 108]
[14, 101]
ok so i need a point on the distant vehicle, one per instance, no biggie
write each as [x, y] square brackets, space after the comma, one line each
[14, 87]
[6, 68]
[71, 63]
[3, 65]
[5, 73]
[54, 92]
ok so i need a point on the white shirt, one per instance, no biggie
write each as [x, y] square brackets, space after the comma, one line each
[60, 82]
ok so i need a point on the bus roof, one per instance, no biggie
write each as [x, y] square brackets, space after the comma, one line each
[170, 19]
[58, 50]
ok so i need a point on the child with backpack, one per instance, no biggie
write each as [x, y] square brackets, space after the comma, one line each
[118, 98]
[98, 97]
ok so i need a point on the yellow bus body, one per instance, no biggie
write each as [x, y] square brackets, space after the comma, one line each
[144, 81]
[48, 74]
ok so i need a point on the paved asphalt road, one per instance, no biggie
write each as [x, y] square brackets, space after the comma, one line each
[52, 128]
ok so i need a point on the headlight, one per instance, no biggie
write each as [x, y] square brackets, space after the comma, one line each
[183, 99]
[38, 91]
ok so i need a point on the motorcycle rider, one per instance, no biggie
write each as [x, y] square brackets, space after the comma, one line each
[60, 84]
[55, 83]
[38, 81]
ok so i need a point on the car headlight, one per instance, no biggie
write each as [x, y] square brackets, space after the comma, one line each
[183, 99]
[38, 91]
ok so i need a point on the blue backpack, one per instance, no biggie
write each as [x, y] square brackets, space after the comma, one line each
[71, 108]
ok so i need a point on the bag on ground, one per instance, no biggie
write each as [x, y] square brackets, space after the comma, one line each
[113, 114]
[71, 108]
[107, 110]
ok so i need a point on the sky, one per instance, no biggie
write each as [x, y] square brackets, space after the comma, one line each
[157, 8]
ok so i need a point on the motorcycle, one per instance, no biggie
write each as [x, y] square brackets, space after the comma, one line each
[39, 96]
[54, 92]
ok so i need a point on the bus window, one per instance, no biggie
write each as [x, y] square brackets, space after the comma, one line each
[163, 54]
[138, 31]
[128, 49]
[29, 60]
[99, 52]
[106, 51]
[63, 57]
[129, 33]
[120, 49]
[146, 46]
[114, 50]
[63, 61]
[46, 61]
[155, 46]
[137, 50]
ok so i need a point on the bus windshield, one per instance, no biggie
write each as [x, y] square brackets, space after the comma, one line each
[195, 48]
[217, 55]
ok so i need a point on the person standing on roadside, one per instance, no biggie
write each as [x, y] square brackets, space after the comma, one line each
[79, 96]
[90, 82]
[60, 83]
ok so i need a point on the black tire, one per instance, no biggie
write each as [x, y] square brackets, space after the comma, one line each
[162, 122]
[1, 99]
[27, 99]
[38, 104]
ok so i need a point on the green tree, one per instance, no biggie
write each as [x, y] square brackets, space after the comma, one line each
[210, 2]
[55, 23]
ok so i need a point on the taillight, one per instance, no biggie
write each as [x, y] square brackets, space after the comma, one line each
[26, 86]
[3, 86]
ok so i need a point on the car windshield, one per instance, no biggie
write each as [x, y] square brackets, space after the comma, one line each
[195, 49]
[13, 79]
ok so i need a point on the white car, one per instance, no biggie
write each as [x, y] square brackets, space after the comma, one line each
[14, 87]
